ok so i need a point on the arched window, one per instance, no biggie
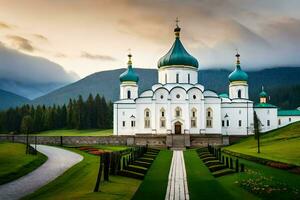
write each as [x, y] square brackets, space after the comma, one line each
[147, 118]
[189, 78]
[162, 118]
[128, 94]
[177, 78]
[209, 118]
[166, 78]
[177, 112]
[194, 118]
[239, 94]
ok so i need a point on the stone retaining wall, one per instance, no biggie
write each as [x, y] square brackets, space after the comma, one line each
[151, 140]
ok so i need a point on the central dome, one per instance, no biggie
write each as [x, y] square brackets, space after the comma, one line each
[177, 55]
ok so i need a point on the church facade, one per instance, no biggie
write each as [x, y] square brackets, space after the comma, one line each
[178, 104]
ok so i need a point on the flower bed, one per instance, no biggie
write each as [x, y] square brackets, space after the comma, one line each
[267, 187]
[267, 162]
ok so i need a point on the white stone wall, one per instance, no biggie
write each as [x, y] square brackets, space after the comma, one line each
[266, 115]
[285, 120]
[233, 112]
[168, 74]
[214, 103]
[125, 112]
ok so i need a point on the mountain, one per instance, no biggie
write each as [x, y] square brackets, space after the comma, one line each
[107, 83]
[9, 99]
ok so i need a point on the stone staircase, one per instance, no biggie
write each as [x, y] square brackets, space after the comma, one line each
[178, 142]
[139, 167]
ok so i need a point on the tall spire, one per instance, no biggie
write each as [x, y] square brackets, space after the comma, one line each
[177, 29]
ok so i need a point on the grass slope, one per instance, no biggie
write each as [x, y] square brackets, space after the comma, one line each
[258, 176]
[79, 182]
[279, 145]
[73, 132]
[203, 185]
[155, 183]
[14, 163]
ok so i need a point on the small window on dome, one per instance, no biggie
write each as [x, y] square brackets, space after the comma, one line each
[177, 96]
[177, 78]
[194, 97]
[161, 96]
[239, 94]
[128, 94]
[189, 78]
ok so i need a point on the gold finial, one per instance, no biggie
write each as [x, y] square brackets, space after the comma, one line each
[177, 29]
[237, 57]
[129, 63]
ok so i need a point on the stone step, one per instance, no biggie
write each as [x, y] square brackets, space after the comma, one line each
[223, 172]
[136, 168]
[217, 167]
[131, 174]
[142, 164]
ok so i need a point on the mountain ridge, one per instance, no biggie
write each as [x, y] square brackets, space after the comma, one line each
[107, 83]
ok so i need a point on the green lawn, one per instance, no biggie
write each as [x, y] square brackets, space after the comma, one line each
[203, 185]
[79, 182]
[14, 163]
[155, 184]
[73, 132]
[279, 145]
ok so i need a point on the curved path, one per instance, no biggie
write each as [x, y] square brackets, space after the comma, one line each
[59, 160]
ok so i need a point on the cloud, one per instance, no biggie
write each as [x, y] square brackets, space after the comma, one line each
[21, 43]
[41, 37]
[87, 55]
[28, 69]
[60, 55]
[5, 26]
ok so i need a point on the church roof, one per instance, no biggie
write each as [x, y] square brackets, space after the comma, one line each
[238, 74]
[264, 105]
[178, 55]
[223, 95]
[129, 74]
[289, 113]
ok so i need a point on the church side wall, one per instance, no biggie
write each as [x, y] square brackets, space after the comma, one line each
[233, 113]
[124, 112]
[285, 120]
[268, 118]
[215, 104]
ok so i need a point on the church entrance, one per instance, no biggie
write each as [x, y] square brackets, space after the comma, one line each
[177, 128]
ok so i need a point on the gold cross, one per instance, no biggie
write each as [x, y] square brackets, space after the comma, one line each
[177, 21]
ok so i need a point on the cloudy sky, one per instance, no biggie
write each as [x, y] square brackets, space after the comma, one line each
[86, 36]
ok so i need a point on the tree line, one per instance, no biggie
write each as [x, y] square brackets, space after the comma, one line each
[92, 113]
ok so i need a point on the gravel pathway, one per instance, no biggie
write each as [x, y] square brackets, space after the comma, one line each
[177, 185]
[59, 160]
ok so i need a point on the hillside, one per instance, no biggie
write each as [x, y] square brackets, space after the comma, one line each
[107, 83]
[9, 99]
[279, 145]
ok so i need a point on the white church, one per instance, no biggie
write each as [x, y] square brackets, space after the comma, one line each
[178, 104]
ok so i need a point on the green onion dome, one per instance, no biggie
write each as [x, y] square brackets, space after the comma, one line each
[263, 94]
[129, 74]
[177, 55]
[238, 74]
